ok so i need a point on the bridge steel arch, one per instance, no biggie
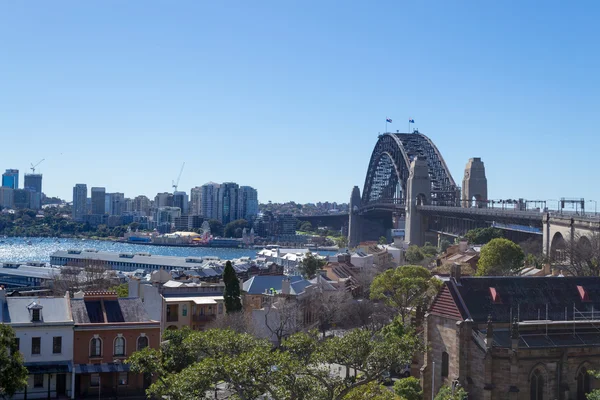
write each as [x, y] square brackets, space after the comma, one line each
[388, 171]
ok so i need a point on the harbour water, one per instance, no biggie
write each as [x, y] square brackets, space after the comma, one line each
[19, 249]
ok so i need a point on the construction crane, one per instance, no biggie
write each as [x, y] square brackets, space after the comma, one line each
[175, 184]
[33, 167]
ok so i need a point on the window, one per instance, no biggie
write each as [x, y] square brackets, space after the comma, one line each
[95, 380]
[220, 308]
[122, 378]
[36, 345]
[583, 384]
[18, 343]
[445, 363]
[142, 342]
[96, 347]
[536, 388]
[35, 315]
[172, 313]
[57, 345]
[38, 381]
[119, 346]
[184, 310]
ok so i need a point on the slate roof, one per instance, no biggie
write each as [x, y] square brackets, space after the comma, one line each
[54, 310]
[117, 311]
[258, 284]
[525, 297]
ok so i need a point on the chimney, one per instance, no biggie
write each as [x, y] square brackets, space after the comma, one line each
[462, 246]
[455, 272]
[489, 335]
[286, 286]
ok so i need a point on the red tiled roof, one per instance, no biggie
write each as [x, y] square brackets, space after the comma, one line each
[444, 305]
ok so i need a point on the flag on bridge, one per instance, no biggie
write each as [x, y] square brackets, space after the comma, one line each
[388, 120]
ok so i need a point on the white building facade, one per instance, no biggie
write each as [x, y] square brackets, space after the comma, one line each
[44, 331]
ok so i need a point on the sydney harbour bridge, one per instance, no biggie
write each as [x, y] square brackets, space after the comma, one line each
[409, 191]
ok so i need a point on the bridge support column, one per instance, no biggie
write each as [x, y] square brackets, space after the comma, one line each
[354, 224]
[418, 192]
[474, 184]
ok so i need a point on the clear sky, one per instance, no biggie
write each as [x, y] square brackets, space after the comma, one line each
[289, 96]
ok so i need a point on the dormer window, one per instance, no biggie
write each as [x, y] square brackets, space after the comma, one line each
[35, 312]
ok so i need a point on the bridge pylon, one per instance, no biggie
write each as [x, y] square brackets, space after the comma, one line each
[418, 193]
[474, 189]
[354, 224]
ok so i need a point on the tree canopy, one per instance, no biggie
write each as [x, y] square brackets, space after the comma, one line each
[309, 265]
[195, 364]
[13, 374]
[500, 257]
[409, 388]
[483, 235]
[404, 288]
[446, 393]
[231, 295]
[235, 228]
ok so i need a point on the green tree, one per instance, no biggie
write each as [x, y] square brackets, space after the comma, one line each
[429, 250]
[382, 240]
[216, 227]
[309, 265]
[341, 242]
[372, 391]
[446, 393]
[409, 388]
[235, 228]
[13, 374]
[414, 255]
[306, 226]
[483, 235]
[231, 295]
[404, 288]
[444, 244]
[500, 257]
[249, 367]
[122, 290]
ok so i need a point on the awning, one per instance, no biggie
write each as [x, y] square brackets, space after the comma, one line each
[100, 368]
[197, 300]
[38, 368]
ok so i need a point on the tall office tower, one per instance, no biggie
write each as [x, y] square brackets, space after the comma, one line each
[210, 200]
[98, 200]
[10, 178]
[163, 200]
[141, 204]
[127, 206]
[33, 182]
[114, 203]
[247, 203]
[79, 201]
[22, 198]
[196, 201]
[7, 197]
[180, 199]
[228, 202]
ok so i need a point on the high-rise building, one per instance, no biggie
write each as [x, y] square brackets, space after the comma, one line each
[163, 200]
[79, 201]
[98, 200]
[10, 178]
[141, 204]
[167, 214]
[33, 182]
[7, 197]
[180, 199]
[127, 206]
[228, 202]
[35, 199]
[210, 200]
[247, 203]
[114, 203]
[196, 201]
[22, 198]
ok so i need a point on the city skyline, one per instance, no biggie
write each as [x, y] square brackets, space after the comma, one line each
[289, 96]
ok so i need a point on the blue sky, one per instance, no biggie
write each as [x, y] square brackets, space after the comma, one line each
[289, 96]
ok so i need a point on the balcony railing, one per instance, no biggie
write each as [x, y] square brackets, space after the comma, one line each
[172, 318]
[203, 318]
